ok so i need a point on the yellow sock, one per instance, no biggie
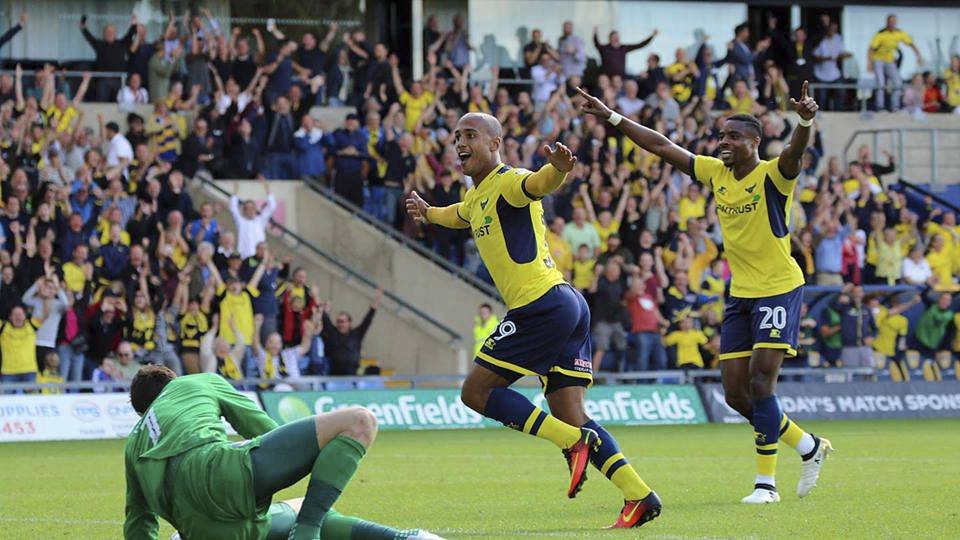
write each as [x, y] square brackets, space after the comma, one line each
[767, 459]
[790, 432]
[630, 483]
[546, 426]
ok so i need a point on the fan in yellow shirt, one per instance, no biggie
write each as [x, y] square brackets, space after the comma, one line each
[18, 346]
[607, 222]
[740, 100]
[952, 77]
[891, 325]
[236, 305]
[692, 205]
[51, 373]
[688, 341]
[417, 99]
[583, 268]
[560, 249]
[940, 259]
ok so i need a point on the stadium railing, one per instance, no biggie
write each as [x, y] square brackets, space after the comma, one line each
[455, 338]
[408, 382]
[396, 235]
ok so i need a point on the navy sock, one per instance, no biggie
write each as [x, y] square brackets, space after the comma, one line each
[515, 411]
[766, 426]
[509, 407]
[608, 449]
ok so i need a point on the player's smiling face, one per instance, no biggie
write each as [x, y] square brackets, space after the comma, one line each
[738, 143]
[476, 148]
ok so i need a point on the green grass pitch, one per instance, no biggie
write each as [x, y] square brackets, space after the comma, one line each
[888, 479]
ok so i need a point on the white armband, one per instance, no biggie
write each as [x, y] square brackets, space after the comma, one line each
[805, 123]
[615, 118]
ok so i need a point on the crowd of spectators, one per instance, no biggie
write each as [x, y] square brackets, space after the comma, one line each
[95, 221]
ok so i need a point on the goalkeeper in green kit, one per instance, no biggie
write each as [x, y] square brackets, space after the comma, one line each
[180, 465]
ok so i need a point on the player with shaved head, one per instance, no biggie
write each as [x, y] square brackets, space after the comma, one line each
[546, 331]
[761, 321]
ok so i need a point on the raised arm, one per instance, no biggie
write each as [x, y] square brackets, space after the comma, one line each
[791, 155]
[18, 87]
[261, 269]
[447, 216]
[395, 75]
[82, 89]
[643, 43]
[587, 203]
[622, 205]
[645, 138]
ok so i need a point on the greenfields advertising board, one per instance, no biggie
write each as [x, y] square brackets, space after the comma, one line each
[442, 409]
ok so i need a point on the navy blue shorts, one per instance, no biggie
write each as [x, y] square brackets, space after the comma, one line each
[549, 338]
[772, 322]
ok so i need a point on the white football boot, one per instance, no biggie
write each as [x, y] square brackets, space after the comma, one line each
[810, 470]
[761, 496]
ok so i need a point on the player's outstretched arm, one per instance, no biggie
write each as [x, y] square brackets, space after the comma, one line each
[648, 139]
[551, 176]
[791, 156]
[446, 216]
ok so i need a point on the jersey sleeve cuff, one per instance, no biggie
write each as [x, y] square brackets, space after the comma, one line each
[457, 210]
[693, 168]
[523, 187]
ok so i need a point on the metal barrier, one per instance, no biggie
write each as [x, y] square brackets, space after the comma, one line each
[673, 376]
[897, 142]
[386, 229]
[455, 339]
[122, 75]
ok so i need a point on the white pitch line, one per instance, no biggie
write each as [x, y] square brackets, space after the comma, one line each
[60, 521]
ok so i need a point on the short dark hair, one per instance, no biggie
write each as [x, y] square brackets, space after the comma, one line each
[740, 27]
[147, 385]
[486, 305]
[748, 119]
[112, 126]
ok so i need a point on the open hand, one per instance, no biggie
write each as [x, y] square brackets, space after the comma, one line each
[417, 207]
[806, 107]
[562, 158]
[593, 105]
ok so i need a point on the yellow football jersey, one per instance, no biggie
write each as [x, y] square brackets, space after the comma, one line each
[507, 224]
[886, 42]
[754, 212]
[889, 328]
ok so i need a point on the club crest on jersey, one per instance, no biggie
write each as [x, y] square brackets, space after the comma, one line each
[751, 188]
[483, 203]
[722, 190]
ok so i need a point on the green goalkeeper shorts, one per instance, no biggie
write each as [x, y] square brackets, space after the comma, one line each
[213, 495]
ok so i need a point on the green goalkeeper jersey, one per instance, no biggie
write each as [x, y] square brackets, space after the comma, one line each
[186, 415]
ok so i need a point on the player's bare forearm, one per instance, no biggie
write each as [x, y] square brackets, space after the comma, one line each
[791, 156]
[447, 216]
[645, 138]
[655, 142]
[806, 109]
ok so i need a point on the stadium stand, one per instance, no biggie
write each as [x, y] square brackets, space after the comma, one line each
[106, 242]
